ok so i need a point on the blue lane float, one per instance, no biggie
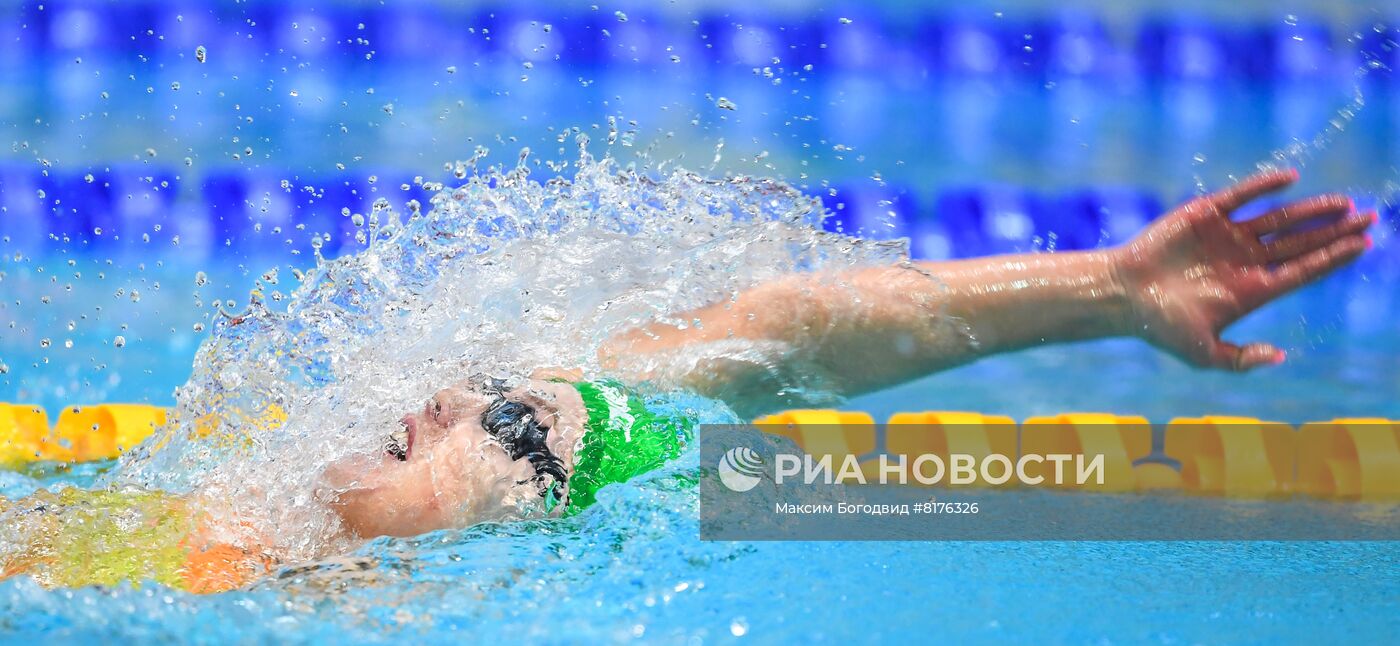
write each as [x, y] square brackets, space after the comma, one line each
[23, 196]
[886, 212]
[1108, 215]
[1077, 45]
[990, 219]
[1299, 50]
[137, 208]
[1056, 43]
[966, 45]
[1188, 48]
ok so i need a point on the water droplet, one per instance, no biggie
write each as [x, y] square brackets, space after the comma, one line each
[201, 279]
[846, 21]
[119, 342]
[201, 54]
[725, 104]
[44, 343]
[621, 17]
[88, 178]
[739, 627]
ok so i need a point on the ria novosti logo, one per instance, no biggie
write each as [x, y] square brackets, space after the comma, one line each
[740, 469]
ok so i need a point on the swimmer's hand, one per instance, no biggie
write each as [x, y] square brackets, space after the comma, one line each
[1195, 271]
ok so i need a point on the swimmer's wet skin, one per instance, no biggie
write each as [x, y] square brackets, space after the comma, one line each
[491, 450]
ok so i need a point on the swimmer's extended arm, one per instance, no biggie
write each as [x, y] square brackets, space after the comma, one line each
[1177, 285]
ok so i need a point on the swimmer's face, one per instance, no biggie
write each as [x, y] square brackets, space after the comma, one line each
[474, 452]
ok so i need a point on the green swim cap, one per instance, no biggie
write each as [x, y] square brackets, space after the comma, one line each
[622, 440]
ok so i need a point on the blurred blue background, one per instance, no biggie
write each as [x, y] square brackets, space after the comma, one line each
[163, 156]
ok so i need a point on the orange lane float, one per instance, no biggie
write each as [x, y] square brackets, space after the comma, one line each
[824, 432]
[22, 428]
[81, 433]
[1121, 440]
[1350, 458]
[104, 431]
[947, 433]
[1233, 456]
[1155, 476]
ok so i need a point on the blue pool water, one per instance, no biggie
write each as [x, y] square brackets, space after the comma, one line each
[632, 567]
[897, 131]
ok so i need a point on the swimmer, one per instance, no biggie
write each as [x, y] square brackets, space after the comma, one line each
[486, 448]
[1177, 285]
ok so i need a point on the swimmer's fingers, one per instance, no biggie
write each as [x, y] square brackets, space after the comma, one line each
[1252, 187]
[1297, 213]
[1314, 264]
[1291, 246]
[1228, 356]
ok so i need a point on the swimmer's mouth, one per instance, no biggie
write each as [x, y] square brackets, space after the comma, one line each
[399, 443]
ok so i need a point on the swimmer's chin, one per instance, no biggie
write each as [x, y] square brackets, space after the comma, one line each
[354, 473]
[368, 506]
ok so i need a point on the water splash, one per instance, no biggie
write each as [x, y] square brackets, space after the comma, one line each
[1298, 153]
[504, 274]
[1301, 152]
